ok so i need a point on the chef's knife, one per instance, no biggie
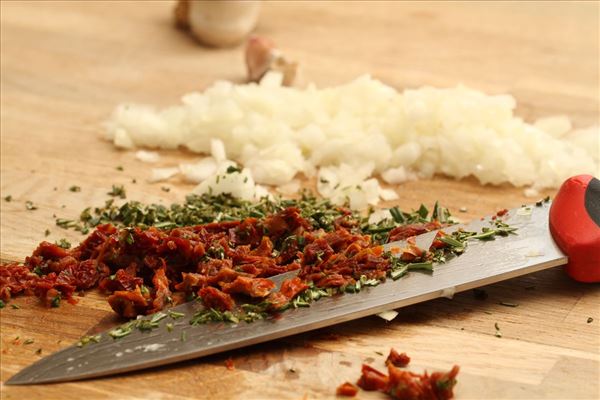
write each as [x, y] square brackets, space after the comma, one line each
[531, 249]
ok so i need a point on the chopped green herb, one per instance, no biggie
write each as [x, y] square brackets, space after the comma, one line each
[75, 188]
[183, 336]
[55, 301]
[64, 243]
[233, 169]
[206, 315]
[169, 326]
[84, 341]
[15, 306]
[30, 206]
[175, 314]
[498, 333]
[117, 191]
[47, 232]
[119, 168]
[66, 223]
[8, 198]
[159, 316]
[28, 341]
[121, 331]
[379, 352]
[590, 320]
[2, 304]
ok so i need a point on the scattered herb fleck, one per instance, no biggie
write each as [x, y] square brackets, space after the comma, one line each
[30, 206]
[47, 232]
[175, 314]
[8, 198]
[183, 336]
[2, 304]
[75, 188]
[134, 180]
[15, 306]
[379, 352]
[117, 191]
[28, 341]
[507, 304]
[55, 301]
[119, 168]
[169, 326]
[498, 333]
[590, 320]
[165, 189]
[88, 339]
[38, 351]
[232, 169]
[64, 243]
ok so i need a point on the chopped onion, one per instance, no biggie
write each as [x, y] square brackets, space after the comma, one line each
[531, 192]
[278, 132]
[388, 315]
[162, 174]
[147, 156]
[448, 292]
[388, 194]
[196, 173]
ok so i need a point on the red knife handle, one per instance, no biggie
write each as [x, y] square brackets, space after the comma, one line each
[575, 226]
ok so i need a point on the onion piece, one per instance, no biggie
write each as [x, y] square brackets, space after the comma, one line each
[147, 156]
[162, 174]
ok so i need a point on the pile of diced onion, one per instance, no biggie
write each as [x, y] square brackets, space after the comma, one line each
[350, 135]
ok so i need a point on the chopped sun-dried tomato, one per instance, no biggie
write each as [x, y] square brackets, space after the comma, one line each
[397, 359]
[406, 231]
[405, 385]
[128, 304]
[145, 270]
[346, 389]
[371, 379]
[253, 287]
[214, 298]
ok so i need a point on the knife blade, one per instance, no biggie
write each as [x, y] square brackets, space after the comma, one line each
[531, 249]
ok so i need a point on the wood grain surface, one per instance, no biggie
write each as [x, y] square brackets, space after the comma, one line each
[64, 66]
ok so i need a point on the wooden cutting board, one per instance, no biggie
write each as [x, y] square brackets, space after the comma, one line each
[66, 65]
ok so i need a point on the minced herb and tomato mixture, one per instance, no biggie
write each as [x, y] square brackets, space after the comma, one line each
[402, 384]
[221, 250]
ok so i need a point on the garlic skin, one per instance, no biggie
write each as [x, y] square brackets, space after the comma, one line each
[262, 56]
[222, 23]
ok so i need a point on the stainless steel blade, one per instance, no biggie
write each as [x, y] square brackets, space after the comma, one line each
[532, 249]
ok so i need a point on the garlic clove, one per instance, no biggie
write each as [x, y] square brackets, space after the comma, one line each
[222, 23]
